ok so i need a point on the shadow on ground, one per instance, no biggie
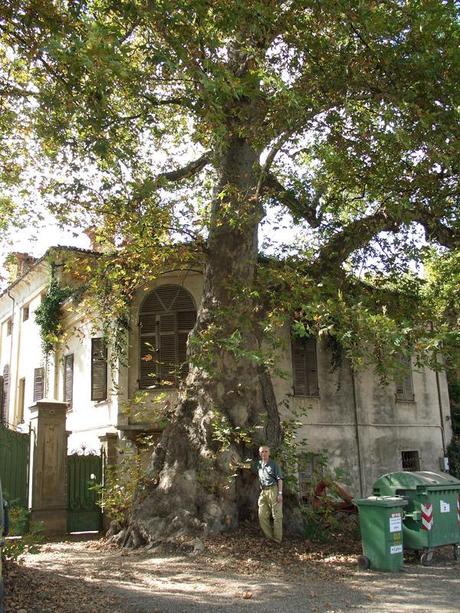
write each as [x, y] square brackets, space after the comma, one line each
[86, 577]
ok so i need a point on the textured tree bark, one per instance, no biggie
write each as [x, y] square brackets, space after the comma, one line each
[192, 490]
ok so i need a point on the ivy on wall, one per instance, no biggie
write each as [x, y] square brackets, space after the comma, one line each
[47, 315]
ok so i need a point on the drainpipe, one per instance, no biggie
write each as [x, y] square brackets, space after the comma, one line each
[441, 415]
[358, 441]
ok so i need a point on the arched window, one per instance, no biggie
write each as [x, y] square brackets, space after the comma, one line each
[166, 318]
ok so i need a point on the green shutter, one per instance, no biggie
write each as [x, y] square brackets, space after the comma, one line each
[148, 362]
[98, 369]
[304, 366]
[166, 318]
[298, 367]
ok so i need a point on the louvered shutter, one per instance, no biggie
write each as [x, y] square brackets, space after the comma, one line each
[167, 354]
[311, 367]
[98, 369]
[304, 367]
[186, 320]
[6, 394]
[68, 379]
[148, 362]
[165, 319]
[298, 367]
[405, 384]
[39, 384]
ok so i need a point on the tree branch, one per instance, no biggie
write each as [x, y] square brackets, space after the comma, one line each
[187, 171]
[299, 208]
[353, 236]
[435, 229]
[165, 101]
[360, 232]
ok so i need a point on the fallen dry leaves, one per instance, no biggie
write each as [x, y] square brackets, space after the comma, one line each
[30, 591]
[247, 553]
[244, 552]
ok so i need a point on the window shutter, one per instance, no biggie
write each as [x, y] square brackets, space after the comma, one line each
[98, 369]
[148, 362]
[298, 363]
[68, 379]
[167, 359]
[186, 320]
[165, 319]
[5, 394]
[304, 367]
[147, 324]
[39, 383]
[405, 384]
[311, 366]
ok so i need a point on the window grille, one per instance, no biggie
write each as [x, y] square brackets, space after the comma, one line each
[410, 460]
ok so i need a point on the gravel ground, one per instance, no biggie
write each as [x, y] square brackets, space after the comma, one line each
[236, 573]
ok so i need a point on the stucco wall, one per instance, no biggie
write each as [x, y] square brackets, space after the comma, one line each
[21, 350]
[351, 419]
[359, 417]
[86, 419]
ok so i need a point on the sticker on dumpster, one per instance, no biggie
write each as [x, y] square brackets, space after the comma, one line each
[427, 516]
[445, 507]
[396, 549]
[395, 522]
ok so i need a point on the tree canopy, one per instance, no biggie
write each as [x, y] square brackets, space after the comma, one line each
[195, 120]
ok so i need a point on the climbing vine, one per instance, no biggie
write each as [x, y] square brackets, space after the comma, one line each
[47, 315]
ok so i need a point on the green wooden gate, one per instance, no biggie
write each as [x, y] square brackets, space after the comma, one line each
[14, 466]
[83, 473]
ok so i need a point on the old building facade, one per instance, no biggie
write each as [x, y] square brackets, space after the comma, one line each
[351, 419]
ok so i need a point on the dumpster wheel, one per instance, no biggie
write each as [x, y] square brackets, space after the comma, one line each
[364, 563]
[457, 552]
[426, 557]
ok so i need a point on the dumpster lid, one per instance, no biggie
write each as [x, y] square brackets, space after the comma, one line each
[381, 501]
[406, 480]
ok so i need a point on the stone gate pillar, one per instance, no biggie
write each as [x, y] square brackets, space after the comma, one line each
[49, 465]
[109, 443]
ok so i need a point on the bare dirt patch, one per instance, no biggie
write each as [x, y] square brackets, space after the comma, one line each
[240, 572]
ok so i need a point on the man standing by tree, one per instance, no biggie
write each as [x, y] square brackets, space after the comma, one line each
[271, 496]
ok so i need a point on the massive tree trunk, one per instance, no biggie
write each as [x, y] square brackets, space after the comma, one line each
[191, 488]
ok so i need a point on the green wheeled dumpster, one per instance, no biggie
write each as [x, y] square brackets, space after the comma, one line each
[380, 521]
[432, 517]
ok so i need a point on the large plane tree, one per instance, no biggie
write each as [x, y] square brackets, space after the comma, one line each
[162, 121]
